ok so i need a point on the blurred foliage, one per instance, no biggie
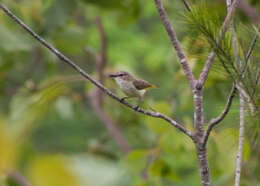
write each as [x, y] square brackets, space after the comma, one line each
[51, 135]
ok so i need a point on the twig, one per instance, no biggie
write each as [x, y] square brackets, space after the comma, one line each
[88, 77]
[175, 42]
[250, 51]
[185, 2]
[205, 71]
[215, 121]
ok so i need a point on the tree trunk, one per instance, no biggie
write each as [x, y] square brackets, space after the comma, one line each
[203, 165]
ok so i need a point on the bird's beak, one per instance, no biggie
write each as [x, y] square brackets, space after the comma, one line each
[113, 75]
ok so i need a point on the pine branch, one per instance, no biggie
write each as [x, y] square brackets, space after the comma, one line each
[93, 81]
[205, 71]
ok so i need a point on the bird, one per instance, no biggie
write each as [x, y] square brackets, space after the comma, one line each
[131, 86]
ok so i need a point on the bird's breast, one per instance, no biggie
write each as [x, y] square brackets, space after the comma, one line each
[129, 89]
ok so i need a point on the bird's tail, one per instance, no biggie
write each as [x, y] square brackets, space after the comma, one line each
[152, 86]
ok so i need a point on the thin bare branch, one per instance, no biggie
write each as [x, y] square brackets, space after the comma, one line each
[175, 42]
[249, 53]
[93, 81]
[215, 121]
[186, 4]
[205, 71]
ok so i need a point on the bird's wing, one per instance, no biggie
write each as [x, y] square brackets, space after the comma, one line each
[142, 84]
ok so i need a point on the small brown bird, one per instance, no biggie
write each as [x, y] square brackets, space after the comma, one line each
[131, 86]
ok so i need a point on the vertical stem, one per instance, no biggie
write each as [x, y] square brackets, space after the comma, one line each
[242, 105]
[198, 136]
[241, 141]
[101, 58]
[203, 165]
[198, 113]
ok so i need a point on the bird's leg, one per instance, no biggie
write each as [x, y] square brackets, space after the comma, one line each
[136, 107]
[138, 104]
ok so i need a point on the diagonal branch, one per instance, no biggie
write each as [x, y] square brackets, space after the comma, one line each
[175, 42]
[250, 51]
[205, 71]
[215, 121]
[186, 4]
[93, 81]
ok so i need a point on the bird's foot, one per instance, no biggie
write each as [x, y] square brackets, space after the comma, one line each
[123, 99]
[137, 107]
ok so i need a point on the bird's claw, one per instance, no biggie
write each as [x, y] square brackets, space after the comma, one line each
[123, 99]
[137, 107]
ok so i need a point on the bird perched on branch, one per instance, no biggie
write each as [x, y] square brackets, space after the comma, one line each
[131, 86]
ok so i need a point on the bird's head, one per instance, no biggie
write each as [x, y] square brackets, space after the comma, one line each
[120, 74]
